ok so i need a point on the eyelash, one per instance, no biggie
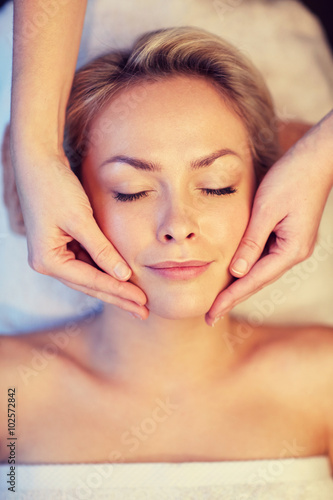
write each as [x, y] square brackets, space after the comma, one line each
[219, 192]
[208, 192]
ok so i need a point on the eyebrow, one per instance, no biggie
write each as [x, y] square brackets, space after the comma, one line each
[139, 164]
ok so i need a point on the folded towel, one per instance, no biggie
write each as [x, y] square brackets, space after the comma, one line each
[288, 479]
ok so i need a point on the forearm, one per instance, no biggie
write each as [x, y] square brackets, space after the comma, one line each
[46, 44]
[315, 149]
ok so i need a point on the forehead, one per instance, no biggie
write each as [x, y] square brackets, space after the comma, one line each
[180, 115]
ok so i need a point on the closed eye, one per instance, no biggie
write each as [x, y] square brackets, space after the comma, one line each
[130, 197]
[219, 192]
[143, 194]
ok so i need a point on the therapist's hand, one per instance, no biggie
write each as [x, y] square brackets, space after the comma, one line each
[59, 221]
[57, 214]
[284, 222]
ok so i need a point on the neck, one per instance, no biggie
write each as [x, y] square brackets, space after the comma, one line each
[159, 353]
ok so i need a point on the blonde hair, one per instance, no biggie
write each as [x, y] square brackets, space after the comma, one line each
[169, 52]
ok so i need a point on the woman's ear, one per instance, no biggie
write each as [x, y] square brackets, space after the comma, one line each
[10, 194]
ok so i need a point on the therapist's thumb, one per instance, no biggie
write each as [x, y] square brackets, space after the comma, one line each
[102, 251]
[251, 246]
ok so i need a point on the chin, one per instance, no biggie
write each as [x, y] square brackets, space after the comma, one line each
[182, 300]
[180, 305]
[177, 312]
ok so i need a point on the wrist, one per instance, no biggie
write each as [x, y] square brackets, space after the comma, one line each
[34, 131]
[35, 134]
[315, 150]
[34, 153]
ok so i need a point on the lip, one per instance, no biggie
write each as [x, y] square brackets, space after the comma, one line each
[180, 270]
[173, 263]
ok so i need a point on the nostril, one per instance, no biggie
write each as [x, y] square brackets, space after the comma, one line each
[168, 237]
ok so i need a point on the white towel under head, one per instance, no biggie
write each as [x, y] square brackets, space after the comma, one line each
[288, 479]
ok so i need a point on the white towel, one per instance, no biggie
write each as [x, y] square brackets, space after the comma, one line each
[286, 479]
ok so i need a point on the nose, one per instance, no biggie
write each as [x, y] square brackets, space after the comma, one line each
[178, 222]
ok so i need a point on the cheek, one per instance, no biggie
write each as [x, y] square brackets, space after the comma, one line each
[127, 234]
[241, 213]
[230, 225]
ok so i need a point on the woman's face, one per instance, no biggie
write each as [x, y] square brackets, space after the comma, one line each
[172, 180]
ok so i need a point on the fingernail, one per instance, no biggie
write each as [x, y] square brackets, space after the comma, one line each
[135, 315]
[122, 271]
[240, 266]
[216, 320]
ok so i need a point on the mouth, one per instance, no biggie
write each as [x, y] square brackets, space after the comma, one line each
[180, 270]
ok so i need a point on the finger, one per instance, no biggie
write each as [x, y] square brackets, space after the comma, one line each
[101, 250]
[124, 304]
[253, 242]
[78, 273]
[265, 271]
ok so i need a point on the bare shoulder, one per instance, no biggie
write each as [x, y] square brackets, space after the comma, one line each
[312, 349]
[34, 359]
[24, 362]
[31, 366]
[317, 342]
[24, 356]
[21, 376]
[302, 359]
[297, 361]
[307, 345]
[319, 349]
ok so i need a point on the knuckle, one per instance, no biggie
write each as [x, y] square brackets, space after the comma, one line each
[37, 264]
[118, 287]
[251, 245]
[300, 252]
[76, 221]
[253, 282]
[102, 254]
[303, 254]
[99, 284]
[263, 207]
[94, 282]
[254, 285]
[229, 297]
[120, 304]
